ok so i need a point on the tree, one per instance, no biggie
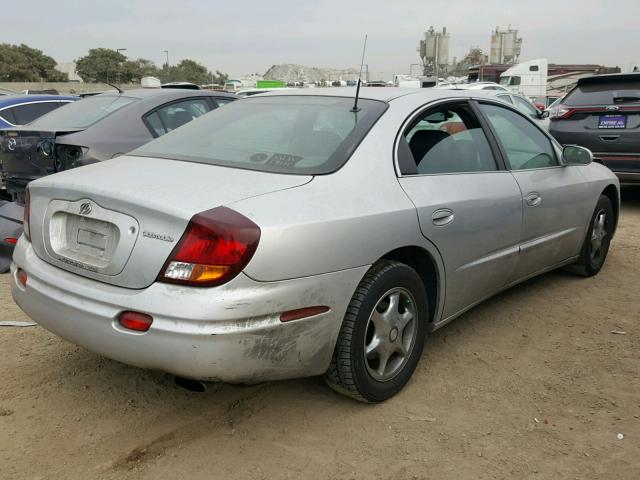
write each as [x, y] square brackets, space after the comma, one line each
[142, 67]
[106, 65]
[191, 71]
[21, 63]
[219, 78]
[185, 71]
[103, 65]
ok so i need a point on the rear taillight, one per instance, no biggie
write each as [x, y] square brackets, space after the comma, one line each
[560, 112]
[27, 213]
[68, 156]
[216, 247]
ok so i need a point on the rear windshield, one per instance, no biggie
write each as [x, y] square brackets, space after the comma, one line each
[84, 112]
[306, 135]
[605, 93]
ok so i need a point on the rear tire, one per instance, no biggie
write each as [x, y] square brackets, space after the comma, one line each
[382, 335]
[596, 244]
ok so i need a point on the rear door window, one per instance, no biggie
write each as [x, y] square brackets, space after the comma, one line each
[155, 124]
[449, 140]
[28, 112]
[174, 115]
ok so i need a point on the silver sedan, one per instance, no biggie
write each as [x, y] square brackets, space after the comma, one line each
[303, 233]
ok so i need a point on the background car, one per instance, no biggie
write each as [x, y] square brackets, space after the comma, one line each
[303, 233]
[97, 128]
[523, 104]
[183, 85]
[602, 113]
[17, 110]
[93, 129]
[250, 92]
[40, 91]
[478, 86]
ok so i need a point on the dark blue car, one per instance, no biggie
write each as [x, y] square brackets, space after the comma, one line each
[16, 110]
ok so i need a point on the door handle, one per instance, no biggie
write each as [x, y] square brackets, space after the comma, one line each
[442, 217]
[533, 199]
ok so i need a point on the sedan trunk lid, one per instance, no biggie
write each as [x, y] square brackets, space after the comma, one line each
[118, 221]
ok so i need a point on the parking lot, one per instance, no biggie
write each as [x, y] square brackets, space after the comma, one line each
[531, 384]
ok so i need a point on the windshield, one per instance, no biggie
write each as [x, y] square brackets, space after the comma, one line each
[504, 80]
[280, 134]
[83, 113]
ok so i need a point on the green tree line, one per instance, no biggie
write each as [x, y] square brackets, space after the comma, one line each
[20, 63]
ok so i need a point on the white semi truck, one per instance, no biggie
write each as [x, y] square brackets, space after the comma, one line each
[527, 78]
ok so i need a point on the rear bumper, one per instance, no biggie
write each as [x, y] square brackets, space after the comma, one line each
[628, 178]
[625, 166]
[230, 333]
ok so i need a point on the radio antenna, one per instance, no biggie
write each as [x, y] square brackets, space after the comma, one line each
[112, 85]
[355, 108]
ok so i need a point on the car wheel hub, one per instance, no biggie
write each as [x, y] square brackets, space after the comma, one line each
[390, 334]
[598, 234]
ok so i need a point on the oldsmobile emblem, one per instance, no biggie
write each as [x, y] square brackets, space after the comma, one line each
[612, 108]
[11, 144]
[85, 208]
[158, 236]
[73, 263]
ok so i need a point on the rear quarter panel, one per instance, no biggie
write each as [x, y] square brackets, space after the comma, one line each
[598, 178]
[343, 220]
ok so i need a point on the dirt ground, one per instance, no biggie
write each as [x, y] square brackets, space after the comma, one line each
[531, 384]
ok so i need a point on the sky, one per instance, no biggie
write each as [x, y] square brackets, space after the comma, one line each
[249, 36]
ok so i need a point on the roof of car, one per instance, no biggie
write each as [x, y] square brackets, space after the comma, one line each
[385, 94]
[495, 93]
[8, 100]
[169, 93]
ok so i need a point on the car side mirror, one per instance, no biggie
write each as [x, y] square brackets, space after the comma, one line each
[544, 114]
[576, 155]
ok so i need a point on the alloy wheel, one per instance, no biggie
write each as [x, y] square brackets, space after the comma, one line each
[598, 234]
[390, 334]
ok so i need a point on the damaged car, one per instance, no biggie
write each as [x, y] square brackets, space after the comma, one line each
[91, 130]
[307, 233]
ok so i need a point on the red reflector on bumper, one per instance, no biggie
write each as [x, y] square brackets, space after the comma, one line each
[139, 322]
[22, 277]
[11, 240]
[302, 313]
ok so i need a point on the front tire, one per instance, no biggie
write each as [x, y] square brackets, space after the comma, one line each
[596, 244]
[382, 335]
